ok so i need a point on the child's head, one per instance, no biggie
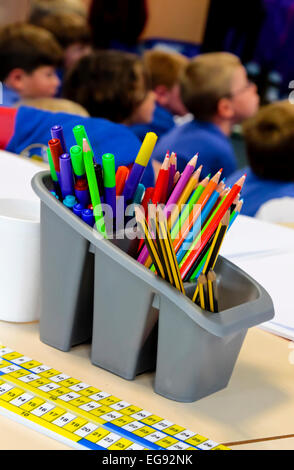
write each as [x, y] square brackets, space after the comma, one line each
[71, 31]
[165, 69]
[215, 88]
[113, 85]
[29, 56]
[269, 138]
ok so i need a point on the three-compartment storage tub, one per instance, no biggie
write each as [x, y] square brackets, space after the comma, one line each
[93, 289]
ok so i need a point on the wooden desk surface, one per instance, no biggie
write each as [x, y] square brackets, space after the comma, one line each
[257, 404]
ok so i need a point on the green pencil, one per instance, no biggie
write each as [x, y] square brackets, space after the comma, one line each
[81, 134]
[93, 188]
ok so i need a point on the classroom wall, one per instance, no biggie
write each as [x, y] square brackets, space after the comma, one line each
[180, 20]
[13, 10]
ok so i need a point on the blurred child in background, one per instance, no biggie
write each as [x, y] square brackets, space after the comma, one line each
[164, 69]
[29, 56]
[113, 85]
[216, 90]
[269, 138]
[70, 30]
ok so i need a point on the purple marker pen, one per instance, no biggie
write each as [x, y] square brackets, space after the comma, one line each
[57, 133]
[66, 176]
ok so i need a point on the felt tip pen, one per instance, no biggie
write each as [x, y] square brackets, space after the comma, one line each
[139, 167]
[54, 176]
[70, 202]
[76, 155]
[66, 176]
[78, 209]
[82, 192]
[108, 162]
[88, 217]
[57, 133]
[99, 177]
[56, 151]
[139, 194]
[121, 178]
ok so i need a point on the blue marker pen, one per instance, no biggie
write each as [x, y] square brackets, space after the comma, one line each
[78, 209]
[70, 202]
[88, 217]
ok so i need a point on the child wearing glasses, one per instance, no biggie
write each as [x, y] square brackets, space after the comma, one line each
[216, 91]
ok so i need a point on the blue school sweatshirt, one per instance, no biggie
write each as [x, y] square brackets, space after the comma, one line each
[214, 148]
[162, 122]
[256, 191]
[33, 126]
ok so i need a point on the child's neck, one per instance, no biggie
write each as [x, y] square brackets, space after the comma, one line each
[225, 126]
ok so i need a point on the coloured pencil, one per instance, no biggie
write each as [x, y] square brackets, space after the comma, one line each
[141, 221]
[172, 172]
[202, 287]
[194, 214]
[160, 188]
[216, 245]
[164, 234]
[184, 197]
[212, 291]
[211, 226]
[186, 211]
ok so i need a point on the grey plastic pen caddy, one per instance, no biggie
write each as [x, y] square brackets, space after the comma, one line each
[92, 289]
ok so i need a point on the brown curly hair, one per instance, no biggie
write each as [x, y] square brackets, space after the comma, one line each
[109, 84]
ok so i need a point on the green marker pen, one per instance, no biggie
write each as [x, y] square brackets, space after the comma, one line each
[53, 174]
[108, 163]
[76, 155]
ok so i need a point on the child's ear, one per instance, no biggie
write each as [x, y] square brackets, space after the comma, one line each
[225, 109]
[161, 94]
[16, 79]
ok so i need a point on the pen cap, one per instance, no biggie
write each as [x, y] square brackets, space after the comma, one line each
[77, 161]
[88, 217]
[146, 149]
[70, 201]
[108, 162]
[78, 209]
[120, 179]
[56, 151]
[57, 133]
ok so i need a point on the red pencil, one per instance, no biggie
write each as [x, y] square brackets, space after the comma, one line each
[161, 182]
[208, 232]
[147, 197]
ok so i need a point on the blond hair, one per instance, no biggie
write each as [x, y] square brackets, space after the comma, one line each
[205, 80]
[57, 105]
[164, 67]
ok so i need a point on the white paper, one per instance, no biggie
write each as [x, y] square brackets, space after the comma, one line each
[16, 174]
